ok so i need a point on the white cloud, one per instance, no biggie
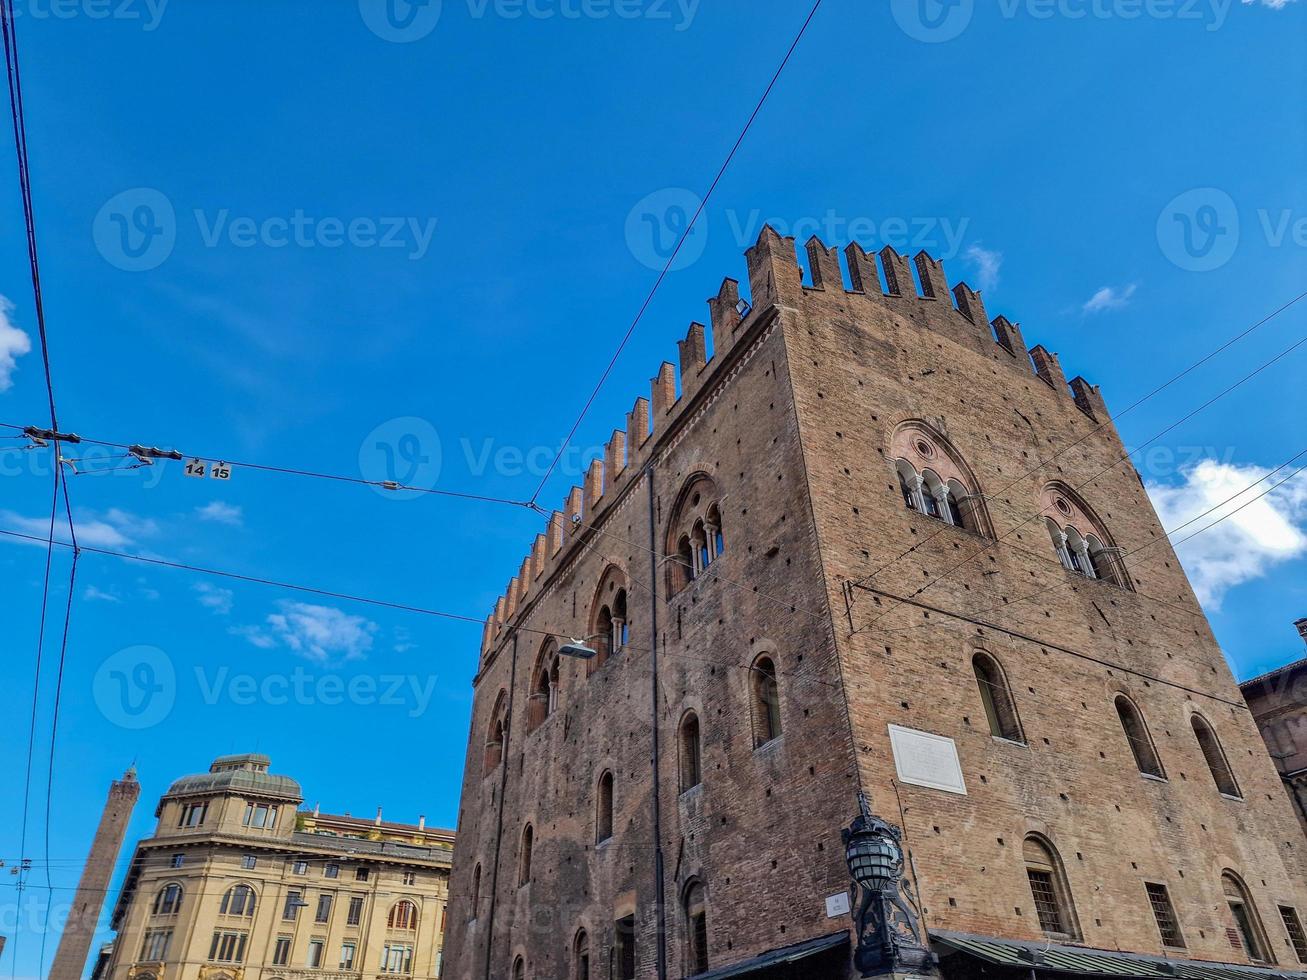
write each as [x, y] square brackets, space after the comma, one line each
[221, 513]
[212, 597]
[403, 640]
[1244, 546]
[1109, 298]
[93, 594]
[115, 529]
[318, 633]
[988, 264]
[13, 344]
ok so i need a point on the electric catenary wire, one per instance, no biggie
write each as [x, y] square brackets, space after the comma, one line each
[685, 234]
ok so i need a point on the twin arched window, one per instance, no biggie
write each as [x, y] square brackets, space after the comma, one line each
[609, 624]
[403, 915]
[169, 900]
[695, 538]
[766, 700]
[1049, 889]
[1214, 755]
[604, 808]
[1141, 742]
[996, 696]
[690, 752]
[544, 685]
[238, 900]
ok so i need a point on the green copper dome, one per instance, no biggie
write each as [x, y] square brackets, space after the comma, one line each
[241, 775]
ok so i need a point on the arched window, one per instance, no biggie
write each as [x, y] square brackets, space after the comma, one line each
[169, 899]
[524, 857]
[996, 696]
[695, 537]
[496, 733]
[1136, 733]
[581, 956]
[1248, 932]
[604, 808]
[696, 929]
[691, 764]
[621, 625]
[476, 889]
[934, 480]
[544, 686]
[1080, 540]
[609, 626]
[1217, 763]
[1049, 889]
[519, 969]
[766, 701]
[238, 900]
[403, 915]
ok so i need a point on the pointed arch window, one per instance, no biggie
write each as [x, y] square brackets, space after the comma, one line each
[496, 733]
[996, 696]
[524, 857]
[766, 701]
[544, 690]
[609, 624]
[691, 762]
[1141, 742]
[238, 900]
[1049, 889]
[1214, 755]
[695, 535]
[476, 889]
[604, 808]
[1247, 933]
[935, 481]
[696, 929]
[519, 969]
[1080, 540]
[169, 899]
[581, 956]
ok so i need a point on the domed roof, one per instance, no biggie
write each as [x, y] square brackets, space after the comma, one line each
[239, 775]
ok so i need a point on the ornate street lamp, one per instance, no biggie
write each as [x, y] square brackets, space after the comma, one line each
[888, 931]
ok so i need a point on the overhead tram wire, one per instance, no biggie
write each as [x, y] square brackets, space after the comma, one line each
[990, 543]
[13, 77]
[689, 228]
[1112, 419]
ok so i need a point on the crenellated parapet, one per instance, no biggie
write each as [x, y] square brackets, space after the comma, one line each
[916, 290]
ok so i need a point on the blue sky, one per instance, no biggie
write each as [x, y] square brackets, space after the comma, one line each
[430, 238]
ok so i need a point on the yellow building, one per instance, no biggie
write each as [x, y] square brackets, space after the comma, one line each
[238, 884]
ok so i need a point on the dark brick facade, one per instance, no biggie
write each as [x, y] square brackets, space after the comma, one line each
[792, 423]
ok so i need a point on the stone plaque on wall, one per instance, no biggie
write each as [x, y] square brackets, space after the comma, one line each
[923, 759]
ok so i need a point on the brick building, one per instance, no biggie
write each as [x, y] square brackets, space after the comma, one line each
[869, 543]
[1278, 701]
[238, 884]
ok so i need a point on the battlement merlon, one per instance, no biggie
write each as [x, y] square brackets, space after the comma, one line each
[775, 279]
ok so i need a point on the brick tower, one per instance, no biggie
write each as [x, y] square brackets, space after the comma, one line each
[75, 943]
[870, 544]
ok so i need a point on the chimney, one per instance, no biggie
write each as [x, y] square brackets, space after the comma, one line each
[1302, 628]
[317, 809]
[422, 822]
[377, 822]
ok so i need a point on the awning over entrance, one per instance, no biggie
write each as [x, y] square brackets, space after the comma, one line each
[1097, 962]
[802, 960]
